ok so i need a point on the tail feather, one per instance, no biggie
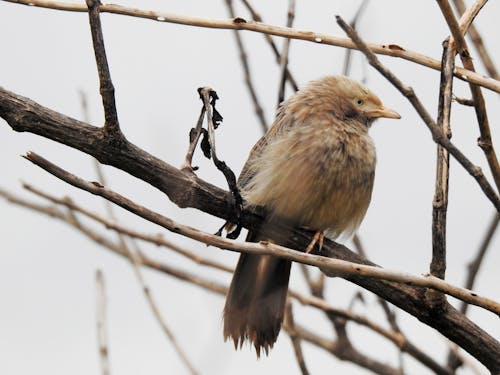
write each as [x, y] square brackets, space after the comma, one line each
[255, 303]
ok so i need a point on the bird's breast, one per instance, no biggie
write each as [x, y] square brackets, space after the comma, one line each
[319, 177]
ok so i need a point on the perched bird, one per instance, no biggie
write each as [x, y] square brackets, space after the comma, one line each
[314, 168]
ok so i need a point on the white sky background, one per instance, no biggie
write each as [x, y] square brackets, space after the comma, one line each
[47, 315]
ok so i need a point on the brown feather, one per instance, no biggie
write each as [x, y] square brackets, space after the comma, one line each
[314, 167]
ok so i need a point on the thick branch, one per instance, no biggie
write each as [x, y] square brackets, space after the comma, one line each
[187, 190]
[331, 267]
[182, 187]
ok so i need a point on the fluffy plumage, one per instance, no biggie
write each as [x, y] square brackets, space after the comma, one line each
[314, 167]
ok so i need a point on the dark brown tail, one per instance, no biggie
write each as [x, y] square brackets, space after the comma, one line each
[255, 304]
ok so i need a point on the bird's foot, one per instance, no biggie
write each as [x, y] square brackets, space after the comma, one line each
[318, 238]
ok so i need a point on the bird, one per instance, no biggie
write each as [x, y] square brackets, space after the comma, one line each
[313, 168]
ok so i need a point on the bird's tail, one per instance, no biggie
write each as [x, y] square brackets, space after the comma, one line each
[255, 304]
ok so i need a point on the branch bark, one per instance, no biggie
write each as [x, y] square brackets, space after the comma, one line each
[107, 89]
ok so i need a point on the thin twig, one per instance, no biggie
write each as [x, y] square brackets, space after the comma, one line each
[209, 96]
[391, 317]
[97, 166]
[53, 212]
[135, 258]
[440, 202]
[86, 118]
[478, 43]
[484, 141]
[256, 17]
[316, 287]
[194, 137]
[354, 21]
[358, 245]
[157, 239]
[463, 101]
[242, 24]
[284, 54]
[263, 247]
[101, 322]
[475, 264]
[346, 353]
[469, 15]
[246, 71]
[289, 326]
[107, 90]
[437, 134]
[454, 360]
[463, 360]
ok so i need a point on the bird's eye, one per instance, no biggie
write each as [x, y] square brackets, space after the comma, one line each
[359, 101]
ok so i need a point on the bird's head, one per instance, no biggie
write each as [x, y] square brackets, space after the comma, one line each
[348, 99]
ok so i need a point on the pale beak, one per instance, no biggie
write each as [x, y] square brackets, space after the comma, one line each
[382, 111]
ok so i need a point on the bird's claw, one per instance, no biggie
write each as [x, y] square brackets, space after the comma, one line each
[318, 238]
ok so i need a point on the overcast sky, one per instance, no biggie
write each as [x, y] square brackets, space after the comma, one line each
[47, 317]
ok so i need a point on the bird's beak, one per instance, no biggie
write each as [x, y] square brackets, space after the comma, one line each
[382, 111]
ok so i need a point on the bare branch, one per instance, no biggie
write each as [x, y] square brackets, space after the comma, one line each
[265, 248]
[396, 337]
[204, 283]
[346, 353]
[135, 258]
[475, 264]
[454, 359]
[194, 137]
[209, 96]
[242, 24]
[256, 17]
[185, 189]
[107, 90]
[478, 43]
[246, 71]
[116, 248]
[157, 239]
[354, 21]
[463, 101]
[284, 54]
[289, 326]
[440, 202]
[484, 140]
[101, 322]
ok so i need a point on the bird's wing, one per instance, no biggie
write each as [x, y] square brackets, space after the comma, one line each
[282, 123]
